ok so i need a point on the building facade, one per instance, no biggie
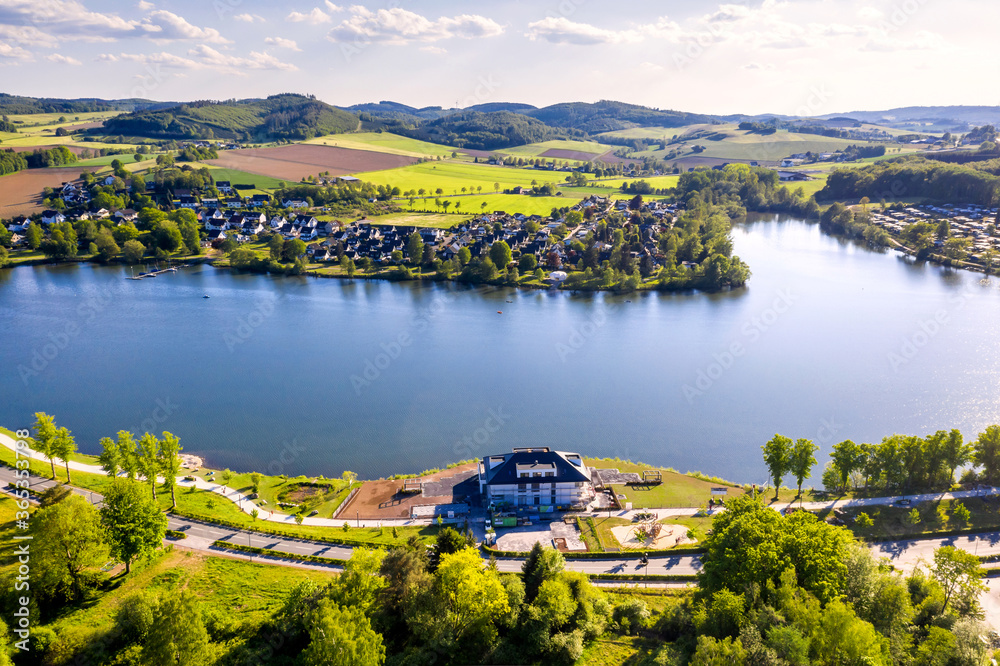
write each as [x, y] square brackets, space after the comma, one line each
[536, 476]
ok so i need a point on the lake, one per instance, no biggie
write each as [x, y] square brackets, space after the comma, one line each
[297, 375]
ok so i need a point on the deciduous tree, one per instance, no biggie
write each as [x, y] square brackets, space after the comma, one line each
[133, 523]
[777, 453]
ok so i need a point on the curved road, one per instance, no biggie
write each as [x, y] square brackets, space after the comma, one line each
[905, 554]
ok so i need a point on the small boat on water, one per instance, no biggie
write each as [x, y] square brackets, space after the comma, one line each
[206, 296]
[499, 311]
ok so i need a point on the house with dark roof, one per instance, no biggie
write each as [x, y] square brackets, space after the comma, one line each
[537, 476]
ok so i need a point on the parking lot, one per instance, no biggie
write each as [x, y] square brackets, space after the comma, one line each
[521, 539]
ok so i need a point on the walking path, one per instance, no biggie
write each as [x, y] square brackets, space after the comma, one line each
[247, 505]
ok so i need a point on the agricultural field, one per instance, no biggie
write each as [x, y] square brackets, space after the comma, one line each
[40, 119]
[261, 183]
[657, 133]
[384, 142]
[127, 160]
[20, 192]
[510, 203]
[659, 182]
[433, 220]
[587, 149]
[452, 176]
[294, 162]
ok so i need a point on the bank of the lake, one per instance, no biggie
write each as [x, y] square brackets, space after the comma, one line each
[297, 375]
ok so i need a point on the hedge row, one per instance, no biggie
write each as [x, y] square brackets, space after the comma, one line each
[174, 534]
[263, 529]
[667, 578]
[277, 553]
[626, 554]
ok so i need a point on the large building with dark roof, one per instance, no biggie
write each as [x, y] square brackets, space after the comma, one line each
[536, 476]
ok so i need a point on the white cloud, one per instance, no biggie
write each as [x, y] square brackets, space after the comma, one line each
[69, 19]
[333, 8]
[13, 52]
[167, 26]
[107, 57]
[317, 15]
[249, 18]
[164, 59]
[27, 35]
[870, 14]
[563, 31]
[283, 43]
[63, 60]
[256, 60]
[399, 26]
[145, 5]
[436, 50]
[650, 67]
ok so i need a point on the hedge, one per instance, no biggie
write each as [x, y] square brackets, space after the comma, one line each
[265, 530]
[277, 553]
[625, 554]
[174, 534]
[669, 578]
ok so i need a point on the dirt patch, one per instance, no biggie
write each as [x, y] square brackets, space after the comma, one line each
[669, 536]
[563, 154]
[294, 162]
[384, 499]
[21, 192]
[610, 158]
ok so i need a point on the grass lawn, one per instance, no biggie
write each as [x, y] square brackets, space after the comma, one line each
[809, 187]
[209, 505]
[261, 183]
[384, 142]
[451, 176]
[659, 182]
[935, 516]
[700, 525]
[248, 592]
[677, 490]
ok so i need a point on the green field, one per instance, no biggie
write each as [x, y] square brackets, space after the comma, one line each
[70, 118]
[657, 133]
[536, 149]
[659, 182]
[452, 176]
[126, 160]
[384, 142]
[263, 183]
[510, 203]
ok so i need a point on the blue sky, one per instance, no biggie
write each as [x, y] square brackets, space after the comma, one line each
[805, 57]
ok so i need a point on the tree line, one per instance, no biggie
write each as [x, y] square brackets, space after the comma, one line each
[899, 463]
[913, 176]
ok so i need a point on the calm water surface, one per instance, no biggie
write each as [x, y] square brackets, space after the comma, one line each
[300, 375]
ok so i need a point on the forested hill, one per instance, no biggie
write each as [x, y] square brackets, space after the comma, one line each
[277, 117]
[16, 105]
[605, 116]
[483, 131]
[578, 117]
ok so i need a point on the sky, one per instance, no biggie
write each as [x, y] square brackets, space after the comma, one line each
[795, 57]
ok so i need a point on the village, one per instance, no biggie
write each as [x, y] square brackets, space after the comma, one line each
[975, 224]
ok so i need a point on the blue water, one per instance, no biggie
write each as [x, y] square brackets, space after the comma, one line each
[314, 376]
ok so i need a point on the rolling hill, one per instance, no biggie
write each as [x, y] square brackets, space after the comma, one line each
[277, 117]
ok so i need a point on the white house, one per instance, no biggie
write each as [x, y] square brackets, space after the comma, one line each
[536, 476]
